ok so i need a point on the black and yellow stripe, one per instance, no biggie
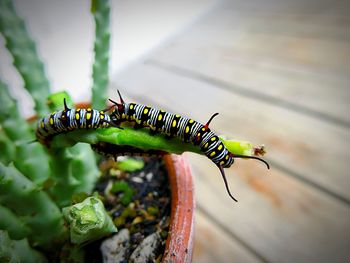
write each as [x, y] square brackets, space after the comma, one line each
[174, 125]
[69, 119]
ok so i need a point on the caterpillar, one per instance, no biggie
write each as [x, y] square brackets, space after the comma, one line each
[186, 129]
[69, 119]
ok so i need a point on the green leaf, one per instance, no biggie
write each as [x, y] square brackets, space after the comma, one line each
[125, 189]
[130, 165]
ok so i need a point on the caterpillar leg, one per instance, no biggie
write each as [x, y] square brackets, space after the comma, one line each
[225, 181]
[113, 124]
[108, 108]
[137, 126]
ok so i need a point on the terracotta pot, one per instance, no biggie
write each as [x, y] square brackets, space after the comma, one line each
[180, 240]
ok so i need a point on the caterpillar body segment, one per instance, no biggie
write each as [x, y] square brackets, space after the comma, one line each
[68, 120]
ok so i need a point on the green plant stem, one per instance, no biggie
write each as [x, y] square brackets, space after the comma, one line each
[25, 57]
[34, 207]
[73, 170]
[88, 220]
[14, 226]
[30, 158]
[14, 251]
[100, 10]
[142, 139]
[8, 149]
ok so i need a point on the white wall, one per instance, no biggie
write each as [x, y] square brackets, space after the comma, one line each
[64, 33]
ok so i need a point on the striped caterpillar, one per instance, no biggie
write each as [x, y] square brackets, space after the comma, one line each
[68, 120]
[174, 125]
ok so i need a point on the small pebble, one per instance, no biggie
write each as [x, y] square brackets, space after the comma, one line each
[114, 248]
[149, 177]
[146, 251]
[137, 180]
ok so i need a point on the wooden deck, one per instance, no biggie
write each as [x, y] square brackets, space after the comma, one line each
[278, 73]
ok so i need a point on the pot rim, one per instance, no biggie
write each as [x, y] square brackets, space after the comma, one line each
[179, 244]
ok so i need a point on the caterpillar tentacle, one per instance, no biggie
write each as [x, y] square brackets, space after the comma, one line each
[250, 157]
[211, 118]
[226, 184]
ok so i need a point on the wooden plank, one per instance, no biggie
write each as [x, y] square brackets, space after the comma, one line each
[298, 58]
[306, 147]
[280, 218]
[213, 244]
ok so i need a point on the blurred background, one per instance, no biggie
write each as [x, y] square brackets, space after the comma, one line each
[278, 73]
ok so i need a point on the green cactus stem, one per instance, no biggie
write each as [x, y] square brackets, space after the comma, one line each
[24, 53]
[100, 10]
[17, 251]
[88, 221]
[8, 150]
[15, 227]
[142, 139]
[30, 158]
[73, 170]
[32, 206]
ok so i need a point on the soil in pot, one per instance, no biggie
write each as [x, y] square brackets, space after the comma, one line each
[139, 203]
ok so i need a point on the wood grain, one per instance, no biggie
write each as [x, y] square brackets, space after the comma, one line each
[311, 149]
[278, 74]
[300, 59]
[280, 218]
[213, 244]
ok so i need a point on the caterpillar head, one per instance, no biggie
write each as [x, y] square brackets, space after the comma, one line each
[119, 109]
